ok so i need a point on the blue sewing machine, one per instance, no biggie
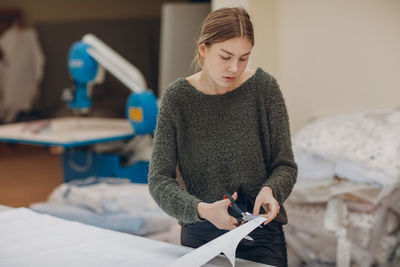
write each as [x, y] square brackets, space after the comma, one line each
[87, 61]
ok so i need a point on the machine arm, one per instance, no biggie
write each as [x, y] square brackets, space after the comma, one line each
[86, 60]
[115, 64]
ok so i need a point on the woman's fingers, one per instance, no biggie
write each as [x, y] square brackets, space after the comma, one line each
[257, 206]
[265, 199]
[272, 210]
[220, 216]
[226, 222]
[235, 195]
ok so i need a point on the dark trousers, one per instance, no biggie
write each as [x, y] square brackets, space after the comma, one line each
[268, 247]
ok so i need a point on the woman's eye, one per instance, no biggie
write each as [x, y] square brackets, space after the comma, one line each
[243, 59]
[225, 58]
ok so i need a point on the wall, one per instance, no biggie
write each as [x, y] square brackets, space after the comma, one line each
[264, 17]
[338, 56]
[330, 57]
[180, 28]
[40, 11]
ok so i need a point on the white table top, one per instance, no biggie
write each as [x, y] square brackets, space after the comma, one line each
[2, 207]
[31, 239]
[68, 131]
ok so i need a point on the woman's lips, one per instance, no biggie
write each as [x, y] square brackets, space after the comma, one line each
[229, 79]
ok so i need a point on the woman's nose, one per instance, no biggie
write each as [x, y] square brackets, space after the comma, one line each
[233, 67]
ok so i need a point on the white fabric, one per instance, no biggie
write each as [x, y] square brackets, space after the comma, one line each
[343, 208]
[309, 191]
[362, 147]
[106, 197]
[22, 70]
[333, 233]
[31, 239]
[369, 138]
[137, 149]
[336, 221]
[143, 223]
[226, 243]
[313, 167]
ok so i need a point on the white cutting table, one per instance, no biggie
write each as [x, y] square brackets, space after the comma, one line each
[68, 132]
[31, 239]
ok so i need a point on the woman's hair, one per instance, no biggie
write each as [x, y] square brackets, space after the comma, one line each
[221, 25]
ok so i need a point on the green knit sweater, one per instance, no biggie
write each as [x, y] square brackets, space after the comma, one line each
[237, 141]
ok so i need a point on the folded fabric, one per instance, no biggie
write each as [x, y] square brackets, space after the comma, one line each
[343, 208]
[139, 223]
[368, 138]
[319, 191]
[105, 195]
[313, 167]
[362, 147]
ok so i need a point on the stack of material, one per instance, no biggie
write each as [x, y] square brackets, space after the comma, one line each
[111, 203]
[345, 207]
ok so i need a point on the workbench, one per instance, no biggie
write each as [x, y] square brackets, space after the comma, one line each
[31, 239]
[73, 136]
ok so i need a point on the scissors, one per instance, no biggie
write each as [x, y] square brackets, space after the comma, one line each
[246, 216]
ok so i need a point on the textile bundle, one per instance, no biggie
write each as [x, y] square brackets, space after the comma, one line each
[345, 207]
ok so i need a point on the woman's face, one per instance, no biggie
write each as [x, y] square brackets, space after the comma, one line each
[225, 62]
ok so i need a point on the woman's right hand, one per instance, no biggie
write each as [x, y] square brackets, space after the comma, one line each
[217, 213]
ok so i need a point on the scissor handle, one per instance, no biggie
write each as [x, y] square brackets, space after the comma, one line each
[233, 204]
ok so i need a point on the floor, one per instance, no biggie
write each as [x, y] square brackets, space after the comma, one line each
[28, 174]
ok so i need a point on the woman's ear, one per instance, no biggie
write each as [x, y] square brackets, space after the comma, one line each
[202, 50]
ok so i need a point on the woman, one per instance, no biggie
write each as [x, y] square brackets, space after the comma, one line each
[226, 130]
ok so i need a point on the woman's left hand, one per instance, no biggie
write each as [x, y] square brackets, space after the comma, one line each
[266, 199]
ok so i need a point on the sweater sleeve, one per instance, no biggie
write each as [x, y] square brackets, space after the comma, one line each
[283, 169]
[163, 185]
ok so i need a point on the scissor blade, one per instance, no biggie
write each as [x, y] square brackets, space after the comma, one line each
[248, 238]
[249, 216]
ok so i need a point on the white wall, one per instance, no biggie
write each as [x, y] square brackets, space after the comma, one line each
[264, 17]
[330, 57]
[216, 4]
[338, 56]
[180, 28]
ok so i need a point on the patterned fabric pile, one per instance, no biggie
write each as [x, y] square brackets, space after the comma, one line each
[345, 207]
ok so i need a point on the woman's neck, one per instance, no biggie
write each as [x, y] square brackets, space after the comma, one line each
[203, 82]
[209, 86]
